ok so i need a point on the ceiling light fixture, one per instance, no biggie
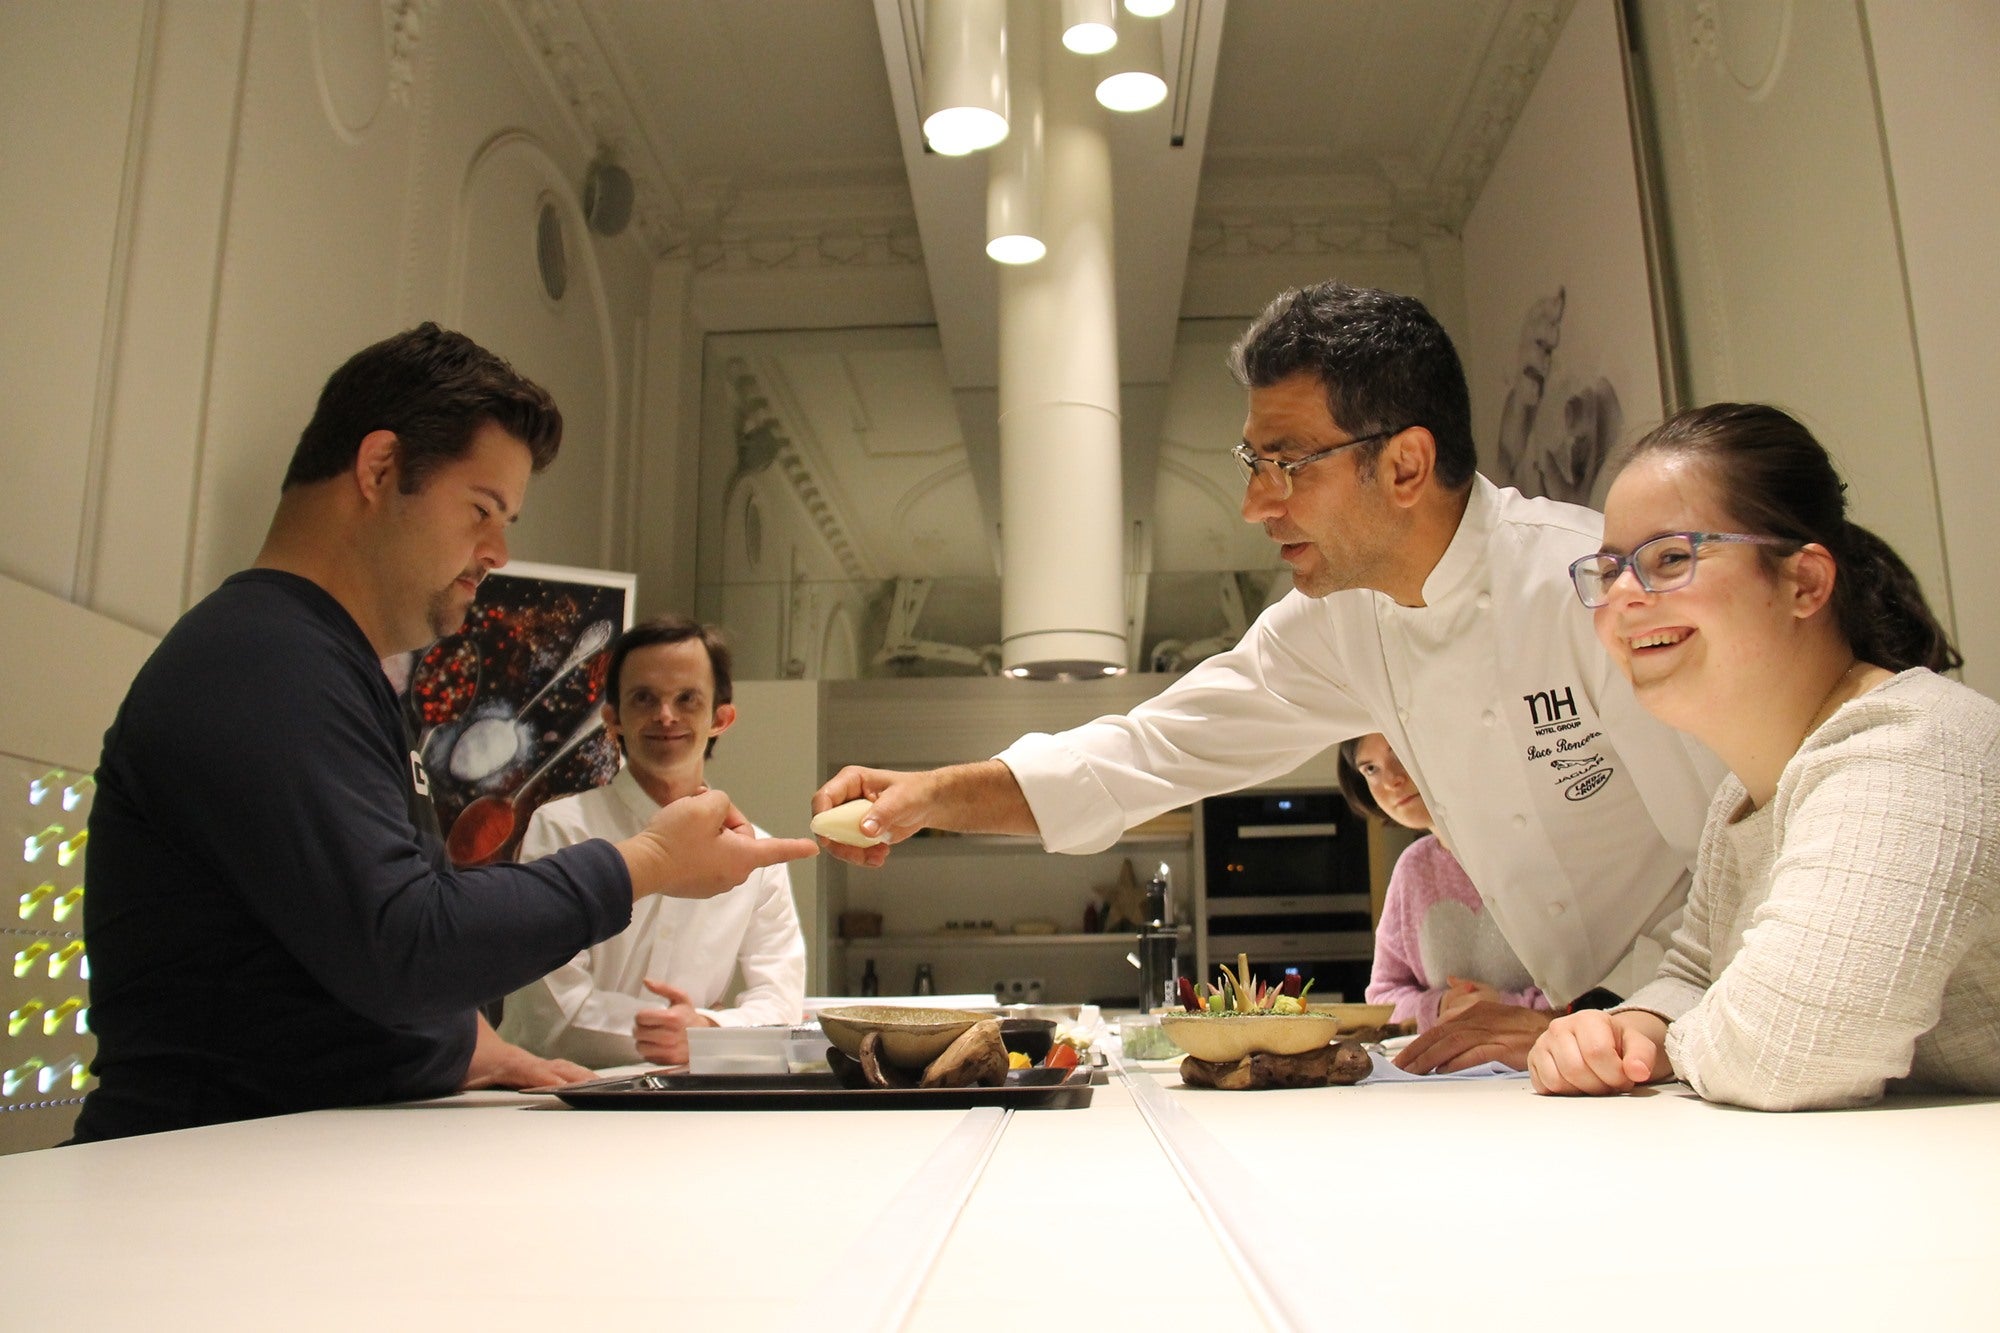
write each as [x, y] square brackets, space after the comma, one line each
[965, 75]
[1149, 9]
[1131, 75]
[1089, 27]
[1014, 226]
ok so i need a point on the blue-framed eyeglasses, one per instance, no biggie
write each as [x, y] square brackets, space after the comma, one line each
[1250, 460]
[1661, 564]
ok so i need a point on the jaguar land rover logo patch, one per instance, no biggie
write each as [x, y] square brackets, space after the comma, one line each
[1563, 740]
[1588, 783]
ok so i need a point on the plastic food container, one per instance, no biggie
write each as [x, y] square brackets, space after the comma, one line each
[739, 1050]
[1142, 1038]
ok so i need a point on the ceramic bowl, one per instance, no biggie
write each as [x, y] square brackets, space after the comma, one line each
[1032, 1037]
[911, 1038]
[1357, 1015]
[1224, 1037]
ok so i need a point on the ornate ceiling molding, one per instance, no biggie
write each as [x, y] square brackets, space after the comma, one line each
[1249, 236]
[1521, 47]
[751, 249]
[704, 222]
[560, 38]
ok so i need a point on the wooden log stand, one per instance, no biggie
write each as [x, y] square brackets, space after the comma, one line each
[1340, 1063]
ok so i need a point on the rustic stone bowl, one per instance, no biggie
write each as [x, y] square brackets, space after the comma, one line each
[911, 1038]
[1220, 1038]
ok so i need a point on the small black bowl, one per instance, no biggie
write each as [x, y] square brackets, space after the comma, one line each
[1032, 1037]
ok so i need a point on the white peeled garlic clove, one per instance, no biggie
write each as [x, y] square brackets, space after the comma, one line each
[843, 824]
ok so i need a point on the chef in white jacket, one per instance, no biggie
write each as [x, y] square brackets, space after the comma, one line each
[633, 997]
[1428, 605]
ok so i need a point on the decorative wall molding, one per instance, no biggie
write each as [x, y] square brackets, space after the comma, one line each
[405, 22]
[1704, 33]
[761, 440]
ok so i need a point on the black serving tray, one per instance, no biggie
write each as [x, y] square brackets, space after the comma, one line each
[670, 1090]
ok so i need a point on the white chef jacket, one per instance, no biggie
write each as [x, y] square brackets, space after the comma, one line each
[583, 1010]
[1576, 813]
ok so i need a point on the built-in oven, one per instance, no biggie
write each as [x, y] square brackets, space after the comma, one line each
[1286, 884]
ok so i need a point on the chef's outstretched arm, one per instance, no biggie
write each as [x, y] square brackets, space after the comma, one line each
[964, 798]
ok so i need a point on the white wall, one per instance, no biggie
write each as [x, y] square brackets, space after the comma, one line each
[769, 763]
[1560, 212]
[1784, 238]
[1940, 96]
[209, 205]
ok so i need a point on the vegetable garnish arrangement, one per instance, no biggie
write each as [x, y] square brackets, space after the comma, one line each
[1243, 1034]
[1240, 993]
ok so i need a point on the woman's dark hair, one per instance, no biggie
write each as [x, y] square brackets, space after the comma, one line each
[1777, 481]
[433, 388]
[674, 629]
[1354, 786]
[1384, 361]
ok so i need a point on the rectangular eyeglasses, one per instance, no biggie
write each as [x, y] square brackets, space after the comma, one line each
[1662, 564]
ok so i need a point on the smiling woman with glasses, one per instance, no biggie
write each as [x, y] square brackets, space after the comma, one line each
[1859, 833]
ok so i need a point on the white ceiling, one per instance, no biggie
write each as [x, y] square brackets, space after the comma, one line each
[762, 129]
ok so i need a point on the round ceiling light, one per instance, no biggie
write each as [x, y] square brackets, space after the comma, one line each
[1133, 90]
[1016, 249]
[958, 130]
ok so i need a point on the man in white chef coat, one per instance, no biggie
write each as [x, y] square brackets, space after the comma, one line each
[1428, 605]
[633, 997]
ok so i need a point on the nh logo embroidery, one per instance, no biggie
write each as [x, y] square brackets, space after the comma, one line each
[1547, 706]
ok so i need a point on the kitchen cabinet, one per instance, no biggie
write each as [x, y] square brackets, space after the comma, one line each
[995, 883]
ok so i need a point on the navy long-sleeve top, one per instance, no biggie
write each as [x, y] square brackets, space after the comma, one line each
[272, 921]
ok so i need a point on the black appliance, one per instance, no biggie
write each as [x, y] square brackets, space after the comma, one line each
[1287, 884]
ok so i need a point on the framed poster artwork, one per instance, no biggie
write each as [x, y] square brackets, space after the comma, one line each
[507, 712]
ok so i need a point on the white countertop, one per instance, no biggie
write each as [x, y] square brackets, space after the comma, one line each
[1452, 1205]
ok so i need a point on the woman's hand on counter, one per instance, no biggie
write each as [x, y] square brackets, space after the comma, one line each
[1592, 1053]
[1485, 1032]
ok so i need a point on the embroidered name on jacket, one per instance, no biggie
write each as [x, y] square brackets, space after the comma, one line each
[1562, 747]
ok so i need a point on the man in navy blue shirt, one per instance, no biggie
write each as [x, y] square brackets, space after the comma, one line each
[273, 923]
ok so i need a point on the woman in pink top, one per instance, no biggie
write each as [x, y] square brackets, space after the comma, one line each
[1437, 949]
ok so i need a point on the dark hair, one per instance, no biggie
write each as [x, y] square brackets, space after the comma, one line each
[433, 388]
[673, 629]
[1354, 786]
[1777, 481]
[1385, 362]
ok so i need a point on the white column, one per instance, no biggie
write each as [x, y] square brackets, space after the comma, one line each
[1062, 607]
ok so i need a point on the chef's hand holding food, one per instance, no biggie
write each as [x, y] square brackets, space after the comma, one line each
[1592, 1052]
[700, 846]
[861, 812]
